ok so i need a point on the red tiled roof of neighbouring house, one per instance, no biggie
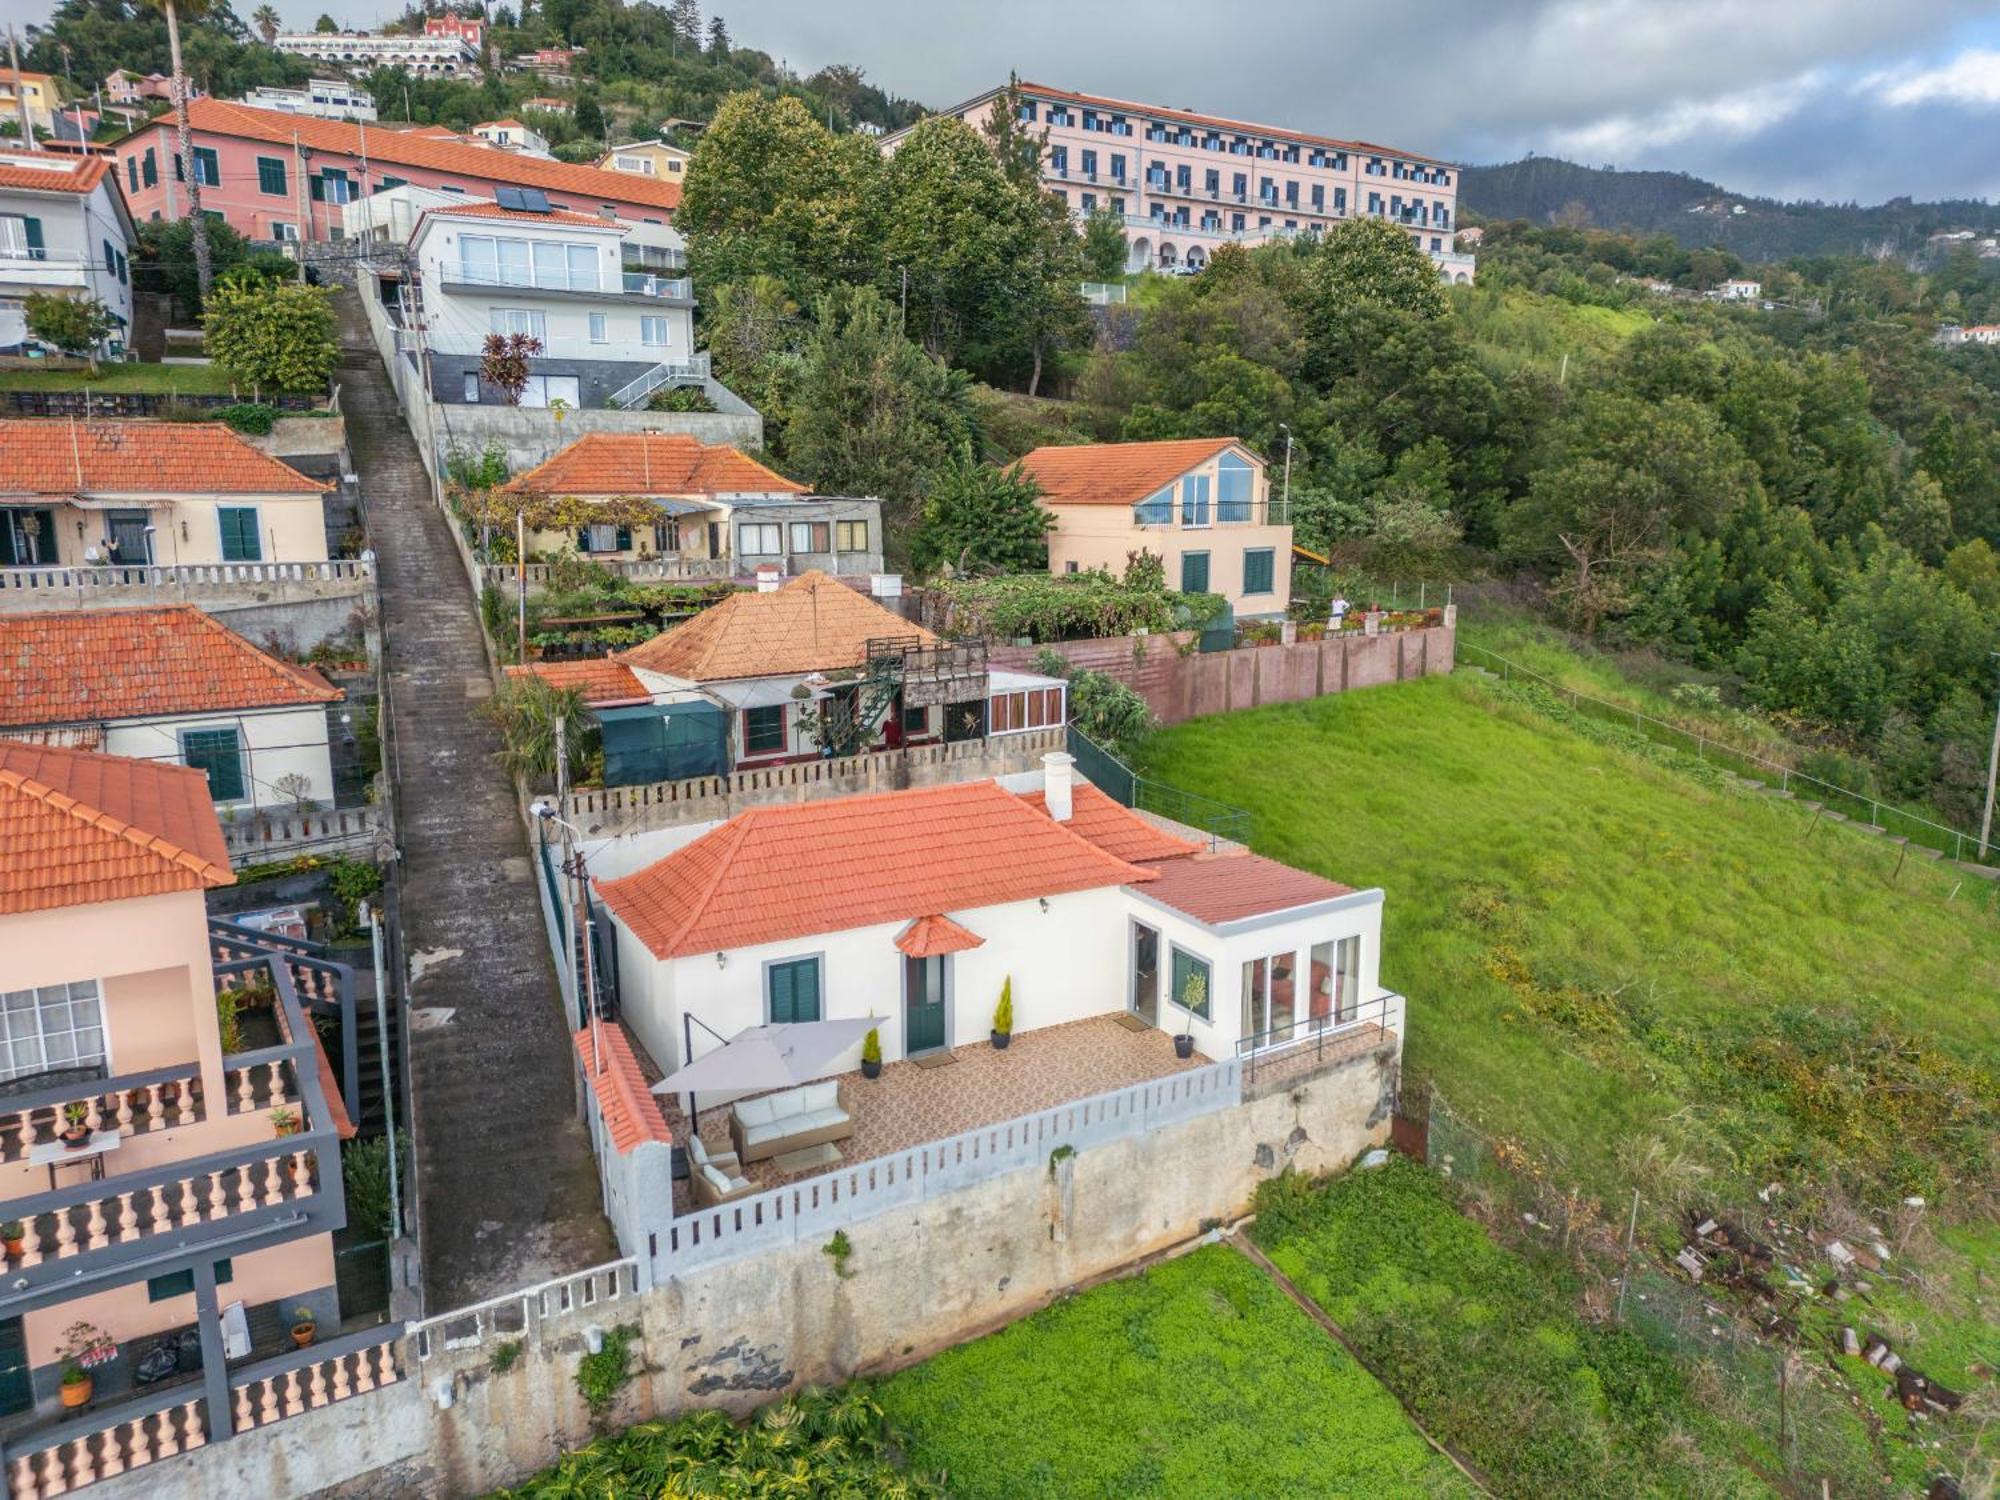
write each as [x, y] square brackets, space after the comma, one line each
[601, 680]
[482, 210]
[43, 456]
[95, 665]
[929, 937]
[631, 1114]
[651, 463]
[1116, 473]
[1114, 828]
[79, 827]
[774, 873]
[815, 623]
[413, 148]
[82, 174]
[1219, 888]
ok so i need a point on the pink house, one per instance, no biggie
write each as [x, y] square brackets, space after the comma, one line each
[278, 176]
[1184, 184]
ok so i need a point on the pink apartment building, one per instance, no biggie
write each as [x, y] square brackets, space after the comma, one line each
[1186, 183]
[278, 176]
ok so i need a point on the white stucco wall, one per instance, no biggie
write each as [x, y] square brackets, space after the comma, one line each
[275, 742]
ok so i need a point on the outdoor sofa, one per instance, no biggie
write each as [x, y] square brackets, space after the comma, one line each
[813, 1114]
[715, 1176]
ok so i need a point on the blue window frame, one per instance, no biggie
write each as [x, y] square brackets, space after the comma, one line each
[1090, 163]
[1118, 166]
[1260, 570]
[792, 989]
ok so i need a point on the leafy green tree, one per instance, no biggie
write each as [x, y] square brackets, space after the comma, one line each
[275, 336]
[75, 325]
[588, 115]
[1018, 149]
[1370, 260]
[165, 262]
[326, 25]
[980, 519]
[1104, 252]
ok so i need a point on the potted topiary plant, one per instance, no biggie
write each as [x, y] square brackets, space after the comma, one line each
[305, 1323]
[12, 1235]
[76, 1123]
[85, 1347]
[1003, 1015]
[871, 1054]
[1194, 1000]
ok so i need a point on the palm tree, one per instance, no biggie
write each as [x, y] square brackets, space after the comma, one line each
[194, 9]
[266, 20]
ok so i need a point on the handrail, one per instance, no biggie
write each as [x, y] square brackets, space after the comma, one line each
[316, 1352]
[692, 367]
[122, 1083]
[235, 1062]
[82, 1194]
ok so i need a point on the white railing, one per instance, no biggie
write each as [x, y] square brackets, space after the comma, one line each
[637, 569]
[100, 580]
[272, 831]
[690, 370]
[522, 1314]
[605, 283]
[317, 1375]
[806, 1210]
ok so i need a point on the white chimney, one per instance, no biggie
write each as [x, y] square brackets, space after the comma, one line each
[886, 585]
[770, 578]
[1058, 783]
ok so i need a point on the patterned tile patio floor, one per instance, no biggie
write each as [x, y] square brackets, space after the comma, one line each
[909, 1105]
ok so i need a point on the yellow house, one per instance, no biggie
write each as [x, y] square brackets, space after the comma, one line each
[37, 90]
[647, 159]
[1201, 505]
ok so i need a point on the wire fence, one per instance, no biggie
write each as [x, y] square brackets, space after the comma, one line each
[1843, 802]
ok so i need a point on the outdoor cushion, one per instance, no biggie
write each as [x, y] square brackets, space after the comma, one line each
[755, 1111]
[756, 1134]
[697, 1152]
[717, 1178]
[819, 1119]
[821, 1096]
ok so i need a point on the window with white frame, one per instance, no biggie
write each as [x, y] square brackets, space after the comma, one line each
[599, 329]
[1031, 708]
[653, 331]
[759, 539]
[54, 1026]
[506, 320]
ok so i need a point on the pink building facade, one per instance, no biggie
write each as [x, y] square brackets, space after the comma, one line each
[284, 177]
[1185, 184]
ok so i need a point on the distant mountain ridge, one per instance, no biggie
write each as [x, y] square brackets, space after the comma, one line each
[1696, 212]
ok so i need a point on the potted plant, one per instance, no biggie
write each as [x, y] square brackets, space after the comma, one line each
[12, 1235]
[85, 1347]
[871, 1054]
[1003, 1015]
[285, 1121]
[76, 1123]
[1194, 998]
[305, 1323]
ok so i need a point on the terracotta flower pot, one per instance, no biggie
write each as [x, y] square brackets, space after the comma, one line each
[302, 1334]
[16, 1247]
[77, 1392]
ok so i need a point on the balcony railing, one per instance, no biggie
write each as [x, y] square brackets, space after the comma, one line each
[692, 369]
[52, 586]
[599, 283]
[128, 1436]
[130, 1103]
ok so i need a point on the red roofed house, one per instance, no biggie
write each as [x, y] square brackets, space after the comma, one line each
[74, 492]
[63, 228]
[181, 1196]
[717, 505]
[171, 685]
[1202, 505]
[917, 906]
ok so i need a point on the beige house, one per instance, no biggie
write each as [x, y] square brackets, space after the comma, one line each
[647, 159]
[186, 1202]
[128, 492]
[1202, 505]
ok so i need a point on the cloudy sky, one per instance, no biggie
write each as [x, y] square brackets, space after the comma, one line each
[1831, 99]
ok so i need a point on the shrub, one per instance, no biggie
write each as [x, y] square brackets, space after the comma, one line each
[871, 1046]
[1003, 1013]
[364, 1173]
[253, 417]
[601, 1376]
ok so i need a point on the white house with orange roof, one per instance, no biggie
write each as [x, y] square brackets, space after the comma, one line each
[133, 492]
[63, 228]
[716, 505]
[173, 686]
[1202, 505]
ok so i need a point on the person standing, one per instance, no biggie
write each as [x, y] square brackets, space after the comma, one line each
[1340, 608]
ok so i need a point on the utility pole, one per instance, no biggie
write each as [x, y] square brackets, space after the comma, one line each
[521, 585]
[28, 141]
[1288, 468]
[1992, 770]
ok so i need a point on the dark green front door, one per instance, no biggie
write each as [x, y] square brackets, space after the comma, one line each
[923, 1003]
[17, 1392]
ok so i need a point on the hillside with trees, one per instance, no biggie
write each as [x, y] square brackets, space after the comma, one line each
[1547, 190]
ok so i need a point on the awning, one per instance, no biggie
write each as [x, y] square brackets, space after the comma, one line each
[933, 936]
[82, 503]
[769, 1057]
[753, 692]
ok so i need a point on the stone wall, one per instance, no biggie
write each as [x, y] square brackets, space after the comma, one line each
[528, 435]
[735, 1334]
[1179, 683]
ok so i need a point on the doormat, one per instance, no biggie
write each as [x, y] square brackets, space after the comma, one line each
[935, 1060]
[1130, 1022]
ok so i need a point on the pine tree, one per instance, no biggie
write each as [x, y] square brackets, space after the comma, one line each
[685, 17]
[718, 39]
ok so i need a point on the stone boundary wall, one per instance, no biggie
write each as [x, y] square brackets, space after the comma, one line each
[737, 1334]
[1180, 684]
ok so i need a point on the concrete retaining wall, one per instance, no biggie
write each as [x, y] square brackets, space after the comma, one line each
[736, 1334]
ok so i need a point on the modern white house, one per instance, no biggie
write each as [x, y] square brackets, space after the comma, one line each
[176, 686]
[512, 135]
[917, 907]
[63, 229]
[608, 301]
[1740, 289]
[323, 98]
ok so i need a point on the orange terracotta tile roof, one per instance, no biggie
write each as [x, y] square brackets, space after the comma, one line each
[631, 1113]
[1116, 473]
[651, 463]
[410, 148]
[776, 873]
[1114, 828]
[815, 623]
[481, 210]
[94, 665]
[601, 680]
[79, 827]
[84, 173]
[43, 456]
[1220, 888]
[928, 937]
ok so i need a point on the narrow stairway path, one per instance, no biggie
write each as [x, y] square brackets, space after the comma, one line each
[507, 1188]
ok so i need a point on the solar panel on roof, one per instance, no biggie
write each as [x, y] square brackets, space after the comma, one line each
[509, 197]
[534, 200]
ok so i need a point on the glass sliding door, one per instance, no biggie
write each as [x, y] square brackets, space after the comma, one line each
[1270, 999]
[1256, 995]
[1336, 982]
[1319, 1002]
[1145, 974]
[1284, 999]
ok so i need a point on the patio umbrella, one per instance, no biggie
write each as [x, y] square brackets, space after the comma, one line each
[769, 1057]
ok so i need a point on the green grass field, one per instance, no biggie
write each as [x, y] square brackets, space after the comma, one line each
[158, 380]
[1198, 1378]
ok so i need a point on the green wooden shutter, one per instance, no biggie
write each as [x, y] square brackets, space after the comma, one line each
[240, 541]
[1194, 572]
[1259, 570]
[33, 229]
[795, 991]
[216, 752]
[271, 175]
